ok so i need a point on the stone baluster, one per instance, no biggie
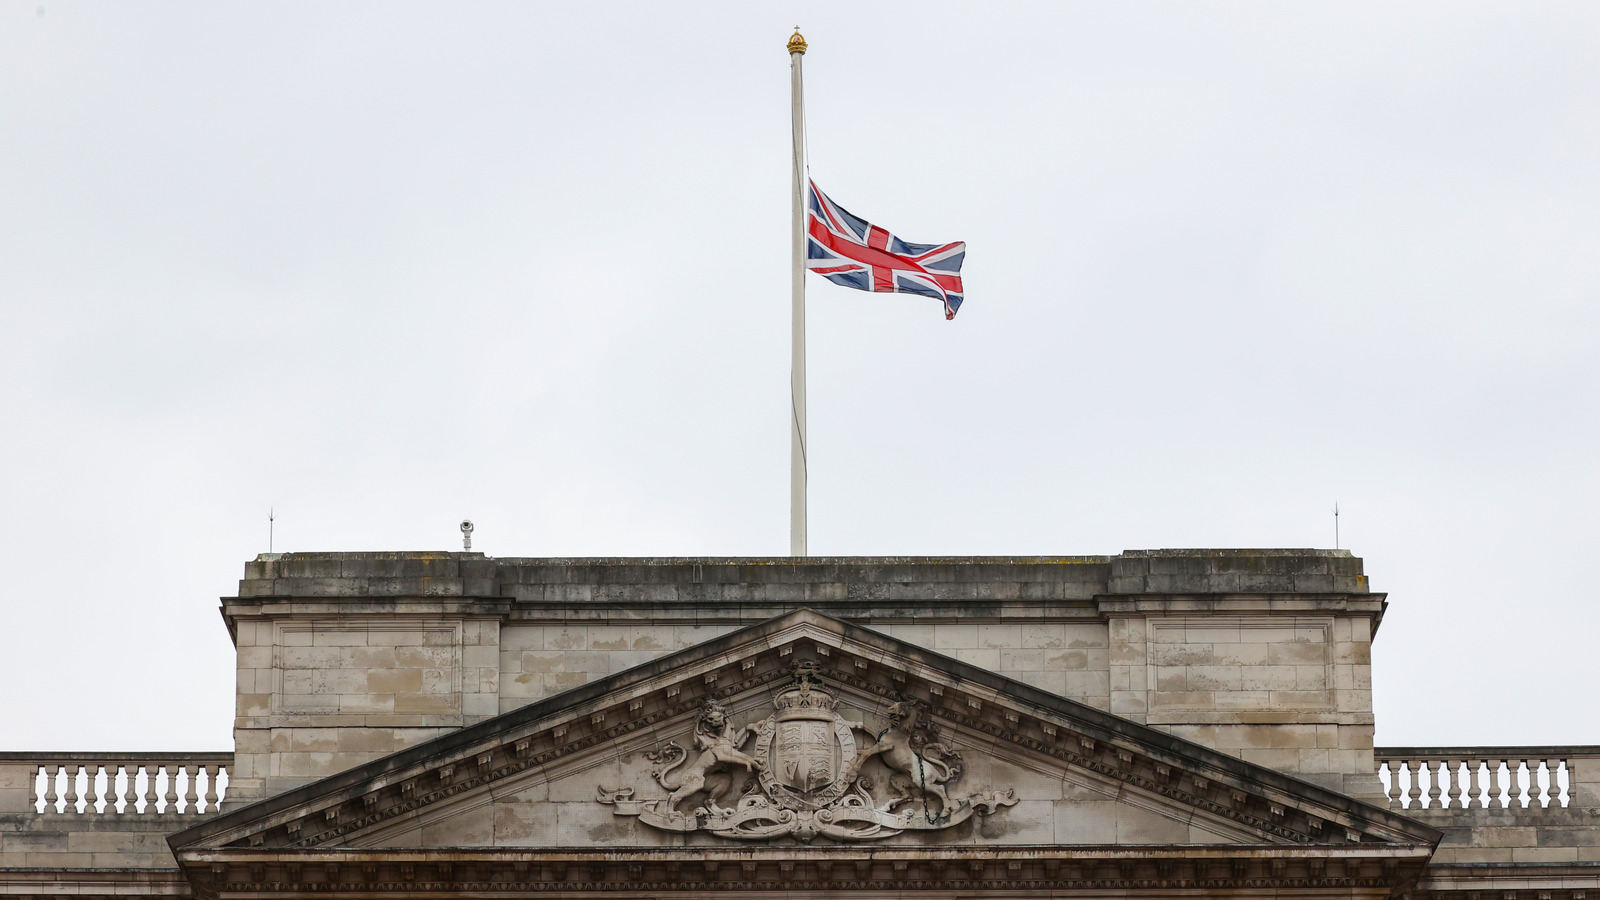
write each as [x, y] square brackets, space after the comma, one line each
[152, 793]
[1506, 780]
[68, 790]
[135, 793]
[152, 774]
[1550, 789]
[1491, 780]
[1453, 791]
[1530, 789]
[91, 789]
[1414, 792]
[73, 794]
[1434, 774]
[1477, 788]
[1555, 788]
[50, 796]
[120, 795]
[1389, 786]
[171, 795]
[108, 796]
[211, 787]
[191, 797]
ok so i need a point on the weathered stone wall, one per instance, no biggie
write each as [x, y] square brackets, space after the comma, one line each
[32, 841]
[1070, 659]
[320, 692]
[347, 656]
[1534, 835]
[1284, 684]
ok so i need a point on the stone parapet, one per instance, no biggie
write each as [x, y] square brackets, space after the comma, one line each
[128, 784]
[808, 581]
[1492, 777]
[1236, 572]
[675, 582]
[1500, 805]
[103, 810]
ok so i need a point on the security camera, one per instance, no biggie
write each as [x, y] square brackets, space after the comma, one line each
[466, 526]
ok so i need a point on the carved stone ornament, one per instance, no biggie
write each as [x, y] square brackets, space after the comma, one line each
[807, 768]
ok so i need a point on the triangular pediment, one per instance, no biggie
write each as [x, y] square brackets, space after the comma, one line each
[1035, 770]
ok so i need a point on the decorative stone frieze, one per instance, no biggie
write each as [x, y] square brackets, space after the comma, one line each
[769, 870]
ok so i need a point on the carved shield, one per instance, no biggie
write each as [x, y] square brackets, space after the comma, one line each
[806, 754]
[805, 750]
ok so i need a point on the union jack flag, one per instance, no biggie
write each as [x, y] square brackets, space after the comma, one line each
[847, 250]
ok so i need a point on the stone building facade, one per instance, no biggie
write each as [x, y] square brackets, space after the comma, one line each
[1152, 724]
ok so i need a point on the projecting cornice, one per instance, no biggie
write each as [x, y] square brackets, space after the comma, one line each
[741, 590]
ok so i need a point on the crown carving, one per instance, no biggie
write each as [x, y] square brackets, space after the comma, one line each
[806, 697]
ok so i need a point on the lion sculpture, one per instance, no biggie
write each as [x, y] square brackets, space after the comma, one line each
[717, 743]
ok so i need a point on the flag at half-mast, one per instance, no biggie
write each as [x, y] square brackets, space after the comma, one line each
[848, 250]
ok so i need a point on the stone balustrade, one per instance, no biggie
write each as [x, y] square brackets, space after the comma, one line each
[123, 784]
[1466, 778]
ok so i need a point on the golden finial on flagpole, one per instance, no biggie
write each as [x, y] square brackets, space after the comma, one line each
[797, 44]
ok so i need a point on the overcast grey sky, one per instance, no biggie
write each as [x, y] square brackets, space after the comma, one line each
[383, 266]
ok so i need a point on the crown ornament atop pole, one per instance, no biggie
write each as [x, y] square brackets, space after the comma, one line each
[797, 44]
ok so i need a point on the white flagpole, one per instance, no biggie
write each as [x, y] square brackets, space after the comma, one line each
[797, 359]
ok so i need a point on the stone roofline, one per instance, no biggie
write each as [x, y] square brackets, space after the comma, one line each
[1083, 577]
[1279, 582]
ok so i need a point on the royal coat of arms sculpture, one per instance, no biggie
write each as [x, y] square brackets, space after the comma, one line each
[807, 780]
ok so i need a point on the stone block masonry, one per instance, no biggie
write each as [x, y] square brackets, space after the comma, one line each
[344, 657]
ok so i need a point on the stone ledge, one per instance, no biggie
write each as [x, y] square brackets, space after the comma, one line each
[446, 574]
